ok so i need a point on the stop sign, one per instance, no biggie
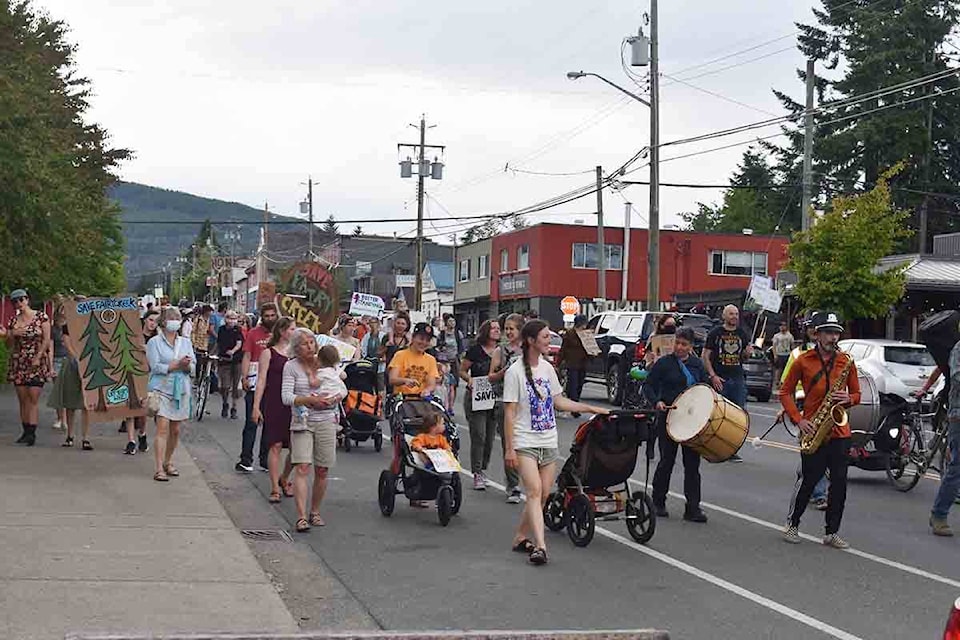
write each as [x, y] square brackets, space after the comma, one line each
[570, 306]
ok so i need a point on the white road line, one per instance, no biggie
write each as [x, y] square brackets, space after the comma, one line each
[726, 585]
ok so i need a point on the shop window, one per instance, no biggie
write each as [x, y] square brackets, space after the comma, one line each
[586, 256]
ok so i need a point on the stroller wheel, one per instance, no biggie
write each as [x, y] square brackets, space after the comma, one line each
[641, 517]
[346, 442]
[553, 511]
[445, 503]
[581, 520]
[377, 441]
[457, 485]
[387, 492]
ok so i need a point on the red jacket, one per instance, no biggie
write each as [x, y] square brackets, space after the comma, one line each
[807, 367]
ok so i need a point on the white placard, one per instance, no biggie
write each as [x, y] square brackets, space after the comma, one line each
[347, 351]
[226, 292]
[483, 398]
[406, 281]
[365, 304]
[443, 461]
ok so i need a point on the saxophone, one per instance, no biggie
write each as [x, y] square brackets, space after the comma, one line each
[828, 415]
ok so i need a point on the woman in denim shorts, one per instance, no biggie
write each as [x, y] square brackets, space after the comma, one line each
[531, 396]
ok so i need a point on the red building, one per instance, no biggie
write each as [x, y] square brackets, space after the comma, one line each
[533, 268]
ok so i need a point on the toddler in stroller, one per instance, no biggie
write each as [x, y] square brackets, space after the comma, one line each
[408, 473]
[593, 482]
[360, 419]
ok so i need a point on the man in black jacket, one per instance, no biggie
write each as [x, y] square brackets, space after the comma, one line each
[670, 376]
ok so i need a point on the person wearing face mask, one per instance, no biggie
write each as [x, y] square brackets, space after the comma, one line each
[229, 346]
[253, 346]
[172, 364]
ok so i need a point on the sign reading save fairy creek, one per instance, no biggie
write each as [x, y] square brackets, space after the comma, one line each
[113, 358]
[308, 294]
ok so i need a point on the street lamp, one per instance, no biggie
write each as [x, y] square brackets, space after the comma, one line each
[576, 75]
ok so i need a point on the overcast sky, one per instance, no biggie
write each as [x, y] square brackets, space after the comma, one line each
[242, 100]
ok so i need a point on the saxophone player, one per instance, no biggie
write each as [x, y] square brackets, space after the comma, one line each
[821, 372]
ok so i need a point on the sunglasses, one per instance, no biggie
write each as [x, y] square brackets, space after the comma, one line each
[17, 300]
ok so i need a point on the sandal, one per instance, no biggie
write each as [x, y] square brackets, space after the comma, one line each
[524, 546]
[68, 442]
[287, 487]
[538, 556]
[274, 498]
[86, 446]
[316, 520]
[160, 476]
[302, 526]
[171, 470]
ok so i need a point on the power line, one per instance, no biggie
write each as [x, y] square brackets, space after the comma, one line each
[718, 95]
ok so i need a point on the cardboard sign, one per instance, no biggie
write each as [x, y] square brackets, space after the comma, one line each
[347, 351]
[365, 304]
[309, 296]
[662, 345]
[113, 357]
[443, 461]
[483, 398]
[589, 342]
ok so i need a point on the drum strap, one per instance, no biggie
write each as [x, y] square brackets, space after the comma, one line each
[686, 373]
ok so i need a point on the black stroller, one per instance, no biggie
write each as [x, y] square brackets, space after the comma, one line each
[408, 474]
[593, 482]
[360, 419]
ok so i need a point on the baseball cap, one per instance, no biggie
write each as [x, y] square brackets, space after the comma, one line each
[423, 329]
[18, 293]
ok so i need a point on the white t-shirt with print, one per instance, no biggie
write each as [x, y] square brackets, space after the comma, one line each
[535, 422]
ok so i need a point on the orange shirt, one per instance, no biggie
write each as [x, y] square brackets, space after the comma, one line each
[429, 441]
[805, 368]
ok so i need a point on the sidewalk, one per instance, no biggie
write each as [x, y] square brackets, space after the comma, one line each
[90, 543]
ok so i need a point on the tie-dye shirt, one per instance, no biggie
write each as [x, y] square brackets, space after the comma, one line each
[535, 424]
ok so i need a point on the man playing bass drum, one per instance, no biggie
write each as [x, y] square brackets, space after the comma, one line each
[818, 370]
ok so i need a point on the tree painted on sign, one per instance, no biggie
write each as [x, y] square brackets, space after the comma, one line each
[97, 363]
[128, 364]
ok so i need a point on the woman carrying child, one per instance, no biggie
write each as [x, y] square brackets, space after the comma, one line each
[313, 388]
[531, 397]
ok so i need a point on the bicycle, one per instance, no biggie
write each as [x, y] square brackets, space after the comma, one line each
[915, 455]
[202, 390]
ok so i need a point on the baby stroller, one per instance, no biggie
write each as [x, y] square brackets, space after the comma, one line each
[360, 419]
[593, 481]
[408, 473]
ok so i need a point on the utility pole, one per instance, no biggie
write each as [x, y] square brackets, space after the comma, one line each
[625, 263]
[601, 247]
[424, 168]
[310, 211]
[805, 220]
[653, 249]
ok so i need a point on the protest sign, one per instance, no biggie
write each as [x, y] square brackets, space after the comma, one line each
[442, 460]
[113, 358]
[365, 304]
[589, 342]
[346, 351]
[662, 345]
[483, 397]
[309, 296]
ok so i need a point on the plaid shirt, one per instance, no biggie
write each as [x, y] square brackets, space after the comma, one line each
[199, 337]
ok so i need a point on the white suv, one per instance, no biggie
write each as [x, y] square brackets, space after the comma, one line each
[898, 368]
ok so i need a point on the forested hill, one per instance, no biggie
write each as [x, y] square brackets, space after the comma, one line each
[160, 224]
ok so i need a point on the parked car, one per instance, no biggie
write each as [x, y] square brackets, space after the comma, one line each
[759, 373]
[555, 342]
[898, 368]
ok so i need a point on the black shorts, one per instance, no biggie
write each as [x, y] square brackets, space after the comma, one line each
[34, 382]
[780, 362]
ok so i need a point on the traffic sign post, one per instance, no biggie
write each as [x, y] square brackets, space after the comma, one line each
[570, 306]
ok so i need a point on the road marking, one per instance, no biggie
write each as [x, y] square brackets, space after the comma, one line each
[929, 475]
[726, 585]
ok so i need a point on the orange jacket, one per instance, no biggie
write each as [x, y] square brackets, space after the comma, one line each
[804, 369]
[429, 441]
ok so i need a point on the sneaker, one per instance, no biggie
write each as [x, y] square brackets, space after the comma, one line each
[661, 510]
[478, 483]
[264, 468]
[735, 458]
[515, 497]
[835, 541]
[820, 504]
[58, 426]
[131, 448]
[142, 443]
[486, 480]
[243, 468]
[940, 527]
[223, 411]
[574, 414]
[791, 534]
[233, 414]
[695, 516]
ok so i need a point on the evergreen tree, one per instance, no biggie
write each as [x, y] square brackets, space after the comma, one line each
[128, 366]
[330, 227]
[358, 230]
[97, 363]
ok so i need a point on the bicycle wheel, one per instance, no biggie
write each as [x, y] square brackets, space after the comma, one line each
[203, 390]
[906, 465]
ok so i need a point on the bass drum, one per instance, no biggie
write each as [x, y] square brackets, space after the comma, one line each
[865, 417]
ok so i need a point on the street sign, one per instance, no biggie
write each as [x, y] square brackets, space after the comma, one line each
[406, 281]
[221, 263]
[226, 292]
[364, 268]
[570, 306]
[365, 304]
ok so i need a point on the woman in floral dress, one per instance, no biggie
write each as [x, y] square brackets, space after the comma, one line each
[28, 337]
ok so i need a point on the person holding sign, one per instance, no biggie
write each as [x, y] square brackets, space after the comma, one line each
[573, 357]
[479, 401]
[413, 371]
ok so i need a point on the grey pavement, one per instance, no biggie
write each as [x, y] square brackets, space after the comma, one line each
[89, 542]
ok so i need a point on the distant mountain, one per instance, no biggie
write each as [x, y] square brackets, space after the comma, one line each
[159, 225]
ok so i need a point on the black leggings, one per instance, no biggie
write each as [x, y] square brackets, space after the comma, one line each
[831, 457]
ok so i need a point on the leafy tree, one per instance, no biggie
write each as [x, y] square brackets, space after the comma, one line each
[128, 364]
[518, 222]
[97, 363]
[330, 227]
[58, 230]
[836, 259]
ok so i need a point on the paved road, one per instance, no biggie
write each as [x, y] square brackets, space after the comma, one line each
[733, 577]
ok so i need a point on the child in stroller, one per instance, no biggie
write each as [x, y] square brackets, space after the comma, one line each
[430, 437]
[360, 419]
[602, 458]
[408, 473]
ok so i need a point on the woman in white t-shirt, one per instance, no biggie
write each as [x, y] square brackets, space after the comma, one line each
[531, 396]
